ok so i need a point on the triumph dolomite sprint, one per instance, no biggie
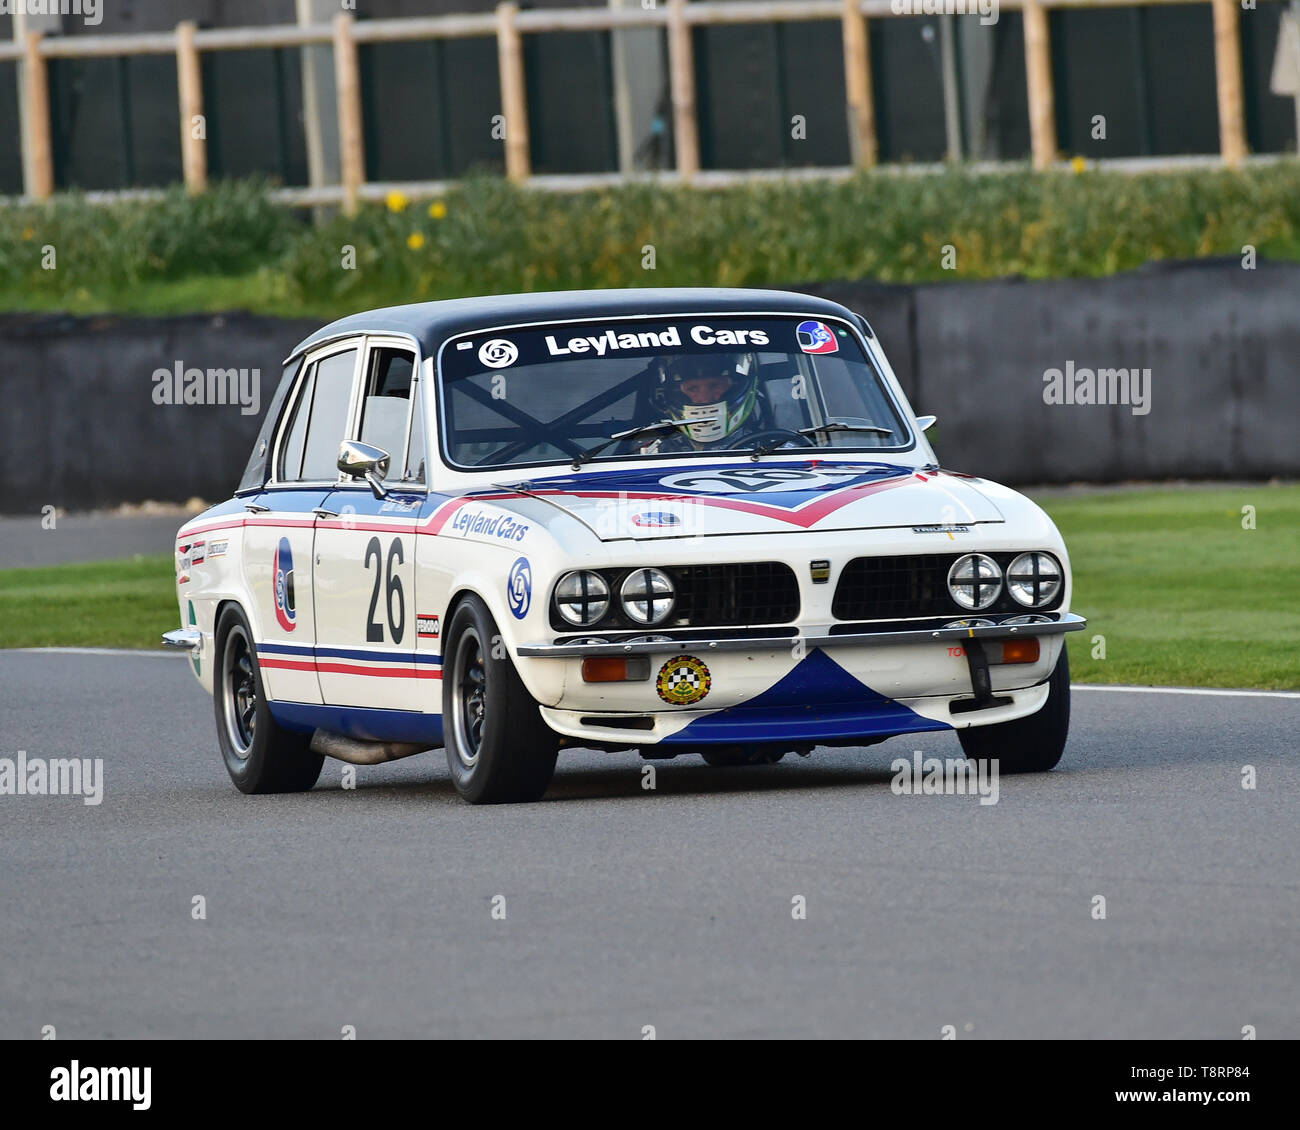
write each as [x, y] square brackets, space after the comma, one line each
[668, 521]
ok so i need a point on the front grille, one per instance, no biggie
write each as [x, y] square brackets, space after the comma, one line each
[708, 596]
[762, 592]
[889, 588]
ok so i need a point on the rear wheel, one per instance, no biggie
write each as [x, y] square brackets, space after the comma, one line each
[260, 755]
[498, 748]
[1027, 745]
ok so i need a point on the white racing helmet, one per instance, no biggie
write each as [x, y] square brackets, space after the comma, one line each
[714, 421]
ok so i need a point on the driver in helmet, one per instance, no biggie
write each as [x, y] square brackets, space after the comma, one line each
[715, 397]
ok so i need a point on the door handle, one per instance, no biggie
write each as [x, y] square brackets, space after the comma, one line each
[321, 512]
[256, 508]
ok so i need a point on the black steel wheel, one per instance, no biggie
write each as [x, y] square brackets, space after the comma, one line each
[260, 755]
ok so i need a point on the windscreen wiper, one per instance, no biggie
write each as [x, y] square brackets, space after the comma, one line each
[830, 426]
[845, 426]
[658, 427]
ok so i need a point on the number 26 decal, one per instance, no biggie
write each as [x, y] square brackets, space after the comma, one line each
[392, 585]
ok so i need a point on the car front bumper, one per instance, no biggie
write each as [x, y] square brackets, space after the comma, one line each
[823, 685]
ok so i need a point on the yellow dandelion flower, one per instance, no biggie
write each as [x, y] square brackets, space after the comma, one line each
[438, 210]
[28, 233]
[415, 240]
[1078, 164]
[396, 201]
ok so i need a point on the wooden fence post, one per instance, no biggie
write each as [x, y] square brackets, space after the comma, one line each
[514, 92]
[1038, 71]
[681, 62]
[38, 163]
[857, 83]
[347, 82]
[1227, 73]
[189, 86]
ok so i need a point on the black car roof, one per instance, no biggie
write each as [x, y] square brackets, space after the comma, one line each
[431, 323]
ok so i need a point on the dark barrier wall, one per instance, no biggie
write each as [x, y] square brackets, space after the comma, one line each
[79, 425]
[1222, 345]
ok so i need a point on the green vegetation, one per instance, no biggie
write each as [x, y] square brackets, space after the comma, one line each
[1182, 593]
[233, 248]
[127, 603]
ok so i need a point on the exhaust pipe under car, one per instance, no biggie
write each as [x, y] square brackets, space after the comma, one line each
[357, 752]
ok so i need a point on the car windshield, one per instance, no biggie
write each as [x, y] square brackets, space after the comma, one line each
[727, 384]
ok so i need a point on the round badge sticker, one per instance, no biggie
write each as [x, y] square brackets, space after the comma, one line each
[519, 588]
[683, 680]
[498, 353]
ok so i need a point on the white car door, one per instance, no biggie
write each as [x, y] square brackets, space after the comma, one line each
[366, 631]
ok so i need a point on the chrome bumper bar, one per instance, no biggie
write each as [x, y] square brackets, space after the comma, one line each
[817, 637]
[189, 639]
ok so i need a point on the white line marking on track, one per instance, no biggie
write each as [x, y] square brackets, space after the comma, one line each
[92, 651]
[1184, 690]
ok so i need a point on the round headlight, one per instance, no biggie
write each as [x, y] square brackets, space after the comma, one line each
[582, 598]
[975, 581]
[1034, 579]
[648, 596]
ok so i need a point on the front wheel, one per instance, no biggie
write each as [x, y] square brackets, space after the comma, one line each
[1027, 745]
[498, 748]
[260, 755]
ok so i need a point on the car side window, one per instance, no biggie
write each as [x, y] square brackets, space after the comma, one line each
[386, 404]
[328, 422]
[290, 467]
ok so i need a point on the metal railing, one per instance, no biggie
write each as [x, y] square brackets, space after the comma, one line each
[508, 25]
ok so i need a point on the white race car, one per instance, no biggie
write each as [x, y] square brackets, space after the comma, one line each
[673, 521]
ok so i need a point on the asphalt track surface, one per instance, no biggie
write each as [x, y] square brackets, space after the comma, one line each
[25, 542]
[372, 907]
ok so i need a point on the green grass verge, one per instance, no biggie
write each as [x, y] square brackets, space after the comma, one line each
[1182, 593]
[127, 603]
[232, 248]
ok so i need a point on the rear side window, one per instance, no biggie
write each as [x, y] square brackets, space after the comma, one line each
[290, 469]
[259, 462]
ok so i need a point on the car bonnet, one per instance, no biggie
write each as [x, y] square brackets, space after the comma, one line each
[753, 498]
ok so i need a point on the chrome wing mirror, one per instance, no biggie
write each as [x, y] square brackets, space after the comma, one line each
[361, 461]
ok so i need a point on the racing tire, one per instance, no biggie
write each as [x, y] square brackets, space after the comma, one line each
[1028, 745]
[261, 756]
[499, 750]
[733, 758]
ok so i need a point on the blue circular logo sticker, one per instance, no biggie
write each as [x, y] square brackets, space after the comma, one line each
[519, 588]
[816, 337]
[286, 610]
[656, 520]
